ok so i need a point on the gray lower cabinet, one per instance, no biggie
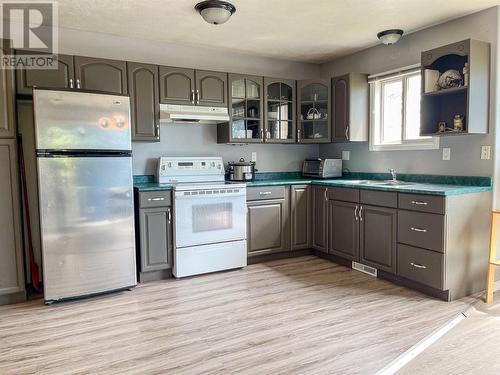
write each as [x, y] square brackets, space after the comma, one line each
[378, 237]
[12, 286]
[60, 78]
[101, 74]
[268, 225]
[155, 238]
[343, 225]
[7, 100]
[319, 217]
[300, 212]
[144, 101]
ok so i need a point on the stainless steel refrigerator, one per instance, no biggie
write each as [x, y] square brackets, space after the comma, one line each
[83, 149]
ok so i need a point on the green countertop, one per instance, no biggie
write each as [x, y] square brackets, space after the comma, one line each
[452, 185]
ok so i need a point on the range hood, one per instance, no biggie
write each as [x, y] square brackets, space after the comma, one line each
[191, 114]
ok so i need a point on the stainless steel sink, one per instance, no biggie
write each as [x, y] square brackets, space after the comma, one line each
[381, 183]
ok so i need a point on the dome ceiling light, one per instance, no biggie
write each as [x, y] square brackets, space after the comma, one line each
[215, 12]
[389, 37]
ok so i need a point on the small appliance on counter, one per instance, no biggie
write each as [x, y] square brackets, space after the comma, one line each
[241, 170]
[322, 168]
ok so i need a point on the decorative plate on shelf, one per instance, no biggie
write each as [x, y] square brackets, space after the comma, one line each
[450, 78]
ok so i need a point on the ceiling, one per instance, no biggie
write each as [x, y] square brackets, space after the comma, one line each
[300, 30]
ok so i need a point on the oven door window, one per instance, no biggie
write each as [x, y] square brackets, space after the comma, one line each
[210, 217]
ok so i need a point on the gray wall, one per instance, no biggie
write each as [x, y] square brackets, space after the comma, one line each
[465, 150]
[187, 140]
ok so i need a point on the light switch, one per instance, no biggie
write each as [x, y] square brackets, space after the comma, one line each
[346, 155]
[485, 152]
[254, 156]
[446, 153]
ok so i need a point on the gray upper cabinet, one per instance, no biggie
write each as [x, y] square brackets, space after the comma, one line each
[300, 210]
[7, 101]
[343, 229]
[245, 111]
[378, 237]
[60, 78]
[319, 218]
[156, 239]
[11, 253]
[350, 96]
[101, 74]
[211, 88]
[313, 111]
[279, 110]
[177, 85]
[144, 101]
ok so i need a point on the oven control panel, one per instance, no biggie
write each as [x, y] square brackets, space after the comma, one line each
[190, 169]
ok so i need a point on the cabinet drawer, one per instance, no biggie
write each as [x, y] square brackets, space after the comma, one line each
[265, 192]
[421, 230]
[423, 203]
[379, 198]
[423, 266]
[155, 199]
[343, 194]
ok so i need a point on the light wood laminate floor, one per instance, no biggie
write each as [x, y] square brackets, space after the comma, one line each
[295, 316]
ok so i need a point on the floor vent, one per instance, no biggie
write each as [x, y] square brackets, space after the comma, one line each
[365, 269]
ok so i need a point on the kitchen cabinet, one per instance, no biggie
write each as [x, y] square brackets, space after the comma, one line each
[319, 218]
[193, 87]
[12, 286]
[313, 111]
[378, 237]
[60, 78]
[300, 216]
[101, 74]
[343, 225]
[144, 101]
[245, 112]
[350, 98]
[7, 99]
[268, 225]
[279, 110]
[154, 235]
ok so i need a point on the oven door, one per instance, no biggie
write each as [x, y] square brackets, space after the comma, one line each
[207, 216]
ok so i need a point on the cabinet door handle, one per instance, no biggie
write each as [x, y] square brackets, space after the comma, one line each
[78, 84]
[419, 203]
[418, 230]
[298, 135]
[361, 213]
[192, 96]
[157, 128]
[262, 134]
[265, 192]
[416, 265]
[71, 83]
[197, 96]
[169, 215]
[356, 213]
[347, 132]
[326, 197]
[156, 199]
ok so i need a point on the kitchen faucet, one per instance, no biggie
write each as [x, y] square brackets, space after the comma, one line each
[392, 171]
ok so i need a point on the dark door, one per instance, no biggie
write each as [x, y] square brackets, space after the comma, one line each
[319, 218]
[343, 225]
[378, 237]
[156, 239]
[340, 108]
[60, 78]
[7, 100]
[279, 110]
[101, 74]
[300, 210]
[267, 226]
[177, 85]
[211, 88]
[313, 111]
[144, 101]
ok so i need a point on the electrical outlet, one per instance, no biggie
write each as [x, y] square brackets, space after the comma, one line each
[446, 153]
[346, 155]
[254, 156]
[485, 152]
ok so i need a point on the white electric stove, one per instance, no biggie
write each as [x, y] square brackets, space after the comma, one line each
[209, 215]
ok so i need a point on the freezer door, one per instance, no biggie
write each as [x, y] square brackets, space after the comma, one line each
[71, 120]
[87, 225]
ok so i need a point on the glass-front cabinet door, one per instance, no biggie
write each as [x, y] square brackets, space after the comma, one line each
[314, 123]
[279, 107]
[245, 110]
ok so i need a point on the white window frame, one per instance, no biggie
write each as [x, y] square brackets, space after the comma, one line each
[376, 113]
